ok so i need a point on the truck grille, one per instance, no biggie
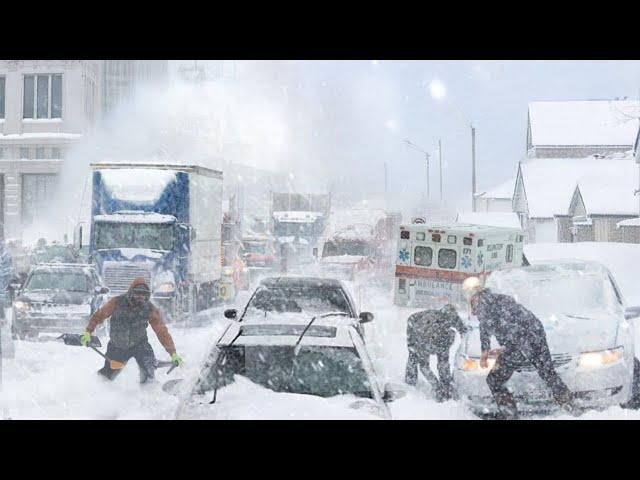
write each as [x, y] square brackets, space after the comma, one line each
[119, 277]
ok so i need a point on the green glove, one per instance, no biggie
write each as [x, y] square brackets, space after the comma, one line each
[176, 359]
[85, 339]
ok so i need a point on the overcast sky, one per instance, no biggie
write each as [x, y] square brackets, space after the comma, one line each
[357, 113]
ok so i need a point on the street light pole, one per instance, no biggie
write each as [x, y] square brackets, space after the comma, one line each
[428, 189]
[440, 166]
[473, 168]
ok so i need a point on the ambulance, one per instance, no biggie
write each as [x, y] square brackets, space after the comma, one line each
[433, 260]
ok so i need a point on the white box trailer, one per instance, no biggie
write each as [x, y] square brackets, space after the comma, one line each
[432, 261]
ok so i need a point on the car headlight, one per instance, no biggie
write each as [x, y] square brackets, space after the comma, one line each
[227, 271]
[166, 287]
[19, 305]
[600, 359]
[473, 365]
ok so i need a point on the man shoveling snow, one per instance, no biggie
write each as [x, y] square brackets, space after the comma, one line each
[130, 314]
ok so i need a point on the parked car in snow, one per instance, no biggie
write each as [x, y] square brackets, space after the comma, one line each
[591, 341]
[288, 365]
[57, 298]
[307, 295]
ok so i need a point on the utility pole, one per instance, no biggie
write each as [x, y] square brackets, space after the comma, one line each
[440, 162]
[473, 168]
[428, 192]
[385, 181]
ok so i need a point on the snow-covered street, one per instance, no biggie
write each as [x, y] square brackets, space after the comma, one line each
[48, 380]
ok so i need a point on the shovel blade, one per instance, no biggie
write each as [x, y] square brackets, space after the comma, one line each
[74, 340]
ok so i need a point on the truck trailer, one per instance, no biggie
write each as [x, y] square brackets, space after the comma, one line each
[161, 222]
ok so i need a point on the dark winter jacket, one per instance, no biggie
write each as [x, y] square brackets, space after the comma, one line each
[129, 322]
[501, 316]
[430, 330]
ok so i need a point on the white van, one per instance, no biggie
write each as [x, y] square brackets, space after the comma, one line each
[432, 261]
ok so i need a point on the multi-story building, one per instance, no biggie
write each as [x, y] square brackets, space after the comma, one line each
[122, 78]
[46, 106]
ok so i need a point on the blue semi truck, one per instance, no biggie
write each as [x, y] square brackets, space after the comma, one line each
[161, 222]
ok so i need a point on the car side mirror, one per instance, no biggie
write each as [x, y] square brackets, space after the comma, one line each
[231, 314]
[366, 317]
[632, 312]
[102, 290]
[393, 392]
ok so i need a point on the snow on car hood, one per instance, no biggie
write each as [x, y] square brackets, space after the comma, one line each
[56, 297]
[244, 400]
[343, 259]
[565, 335]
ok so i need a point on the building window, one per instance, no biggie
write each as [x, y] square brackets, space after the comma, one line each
[37, 192]
[42, 96]
[55, 153]
[2, 82]
[447, 258]
[24, 153]
[1, 152]
[40, 153]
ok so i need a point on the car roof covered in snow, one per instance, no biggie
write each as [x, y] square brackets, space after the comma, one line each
[460, 228]
[286, 328]
[589, 122]
[554, 268]
[549, 184]
[85, 267]
[293, 281]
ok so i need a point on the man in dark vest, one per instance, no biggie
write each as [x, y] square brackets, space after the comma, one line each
[523, 340]
[130, 314]
[430, 333]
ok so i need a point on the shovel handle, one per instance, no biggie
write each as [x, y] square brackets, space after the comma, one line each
[100, 353]
[171, 369]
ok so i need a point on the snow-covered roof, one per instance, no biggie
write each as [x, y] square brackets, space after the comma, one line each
[137, 184]
[631, 222]
[590, 122]
[296, 216]
[549, 184]
[504, 190]
[135, 217]
[495, 219]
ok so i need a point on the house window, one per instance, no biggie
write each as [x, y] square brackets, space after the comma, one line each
[2, 82]
[422, 256]
[447, 258]
[42, 98]
[24, 153]
[509, 253]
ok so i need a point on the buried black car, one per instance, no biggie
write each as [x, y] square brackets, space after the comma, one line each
[57, 298]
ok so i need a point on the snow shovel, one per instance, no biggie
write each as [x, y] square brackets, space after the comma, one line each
[74, 339]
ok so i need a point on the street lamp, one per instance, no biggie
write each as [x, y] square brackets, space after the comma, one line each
[439, 92]
[426, 154]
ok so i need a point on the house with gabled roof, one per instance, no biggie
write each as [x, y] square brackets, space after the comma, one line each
[549, 207]
[497, 199]
[581, 128]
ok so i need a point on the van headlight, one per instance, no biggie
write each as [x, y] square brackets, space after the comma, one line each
[591, 360]
[166, 287]
[473, 364]
[19, 305]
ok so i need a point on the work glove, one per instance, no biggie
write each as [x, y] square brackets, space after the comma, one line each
[176, 359]
[85, 339]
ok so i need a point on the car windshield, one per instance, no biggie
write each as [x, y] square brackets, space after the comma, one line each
[321, 371]
[53, 254]
[255, 248]
[333, 249]
[287, 229]
[156, 236]
[579, 294]
[310, 300]
[65, 281]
